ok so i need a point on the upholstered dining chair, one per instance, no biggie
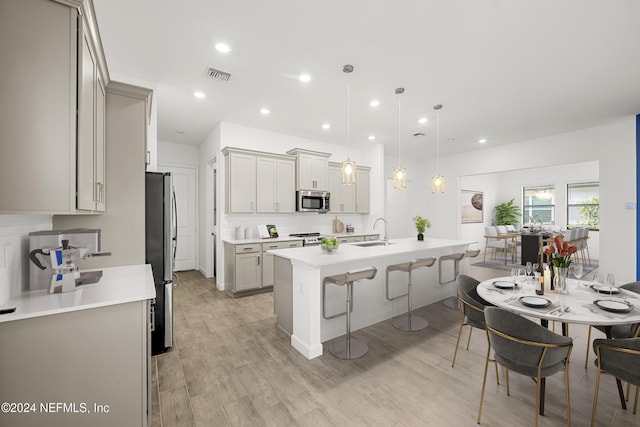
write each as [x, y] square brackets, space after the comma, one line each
[472, 309]
[620, 358]
[491, 241]
[527, 348]
[617, 331]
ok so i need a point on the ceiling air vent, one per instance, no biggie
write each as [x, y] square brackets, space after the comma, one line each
[214, 74]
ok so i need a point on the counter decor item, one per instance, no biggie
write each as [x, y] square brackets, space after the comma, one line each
[421, 225]
[338, 226]
[329, 244]
[267, 231]
[560, 259]
[350, 228]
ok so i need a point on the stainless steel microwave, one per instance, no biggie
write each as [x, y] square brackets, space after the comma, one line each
[312, 201]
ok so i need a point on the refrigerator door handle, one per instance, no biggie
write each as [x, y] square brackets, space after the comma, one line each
[168, 315]
[168, 238]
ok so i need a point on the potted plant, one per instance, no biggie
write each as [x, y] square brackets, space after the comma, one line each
[421, 225]
[507, 213]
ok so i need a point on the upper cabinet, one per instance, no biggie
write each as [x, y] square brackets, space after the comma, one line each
[363, 189]
[240, 177]
[349, 198]
[312, 169]
[53, 108]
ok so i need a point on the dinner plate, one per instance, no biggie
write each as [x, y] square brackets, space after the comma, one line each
[534, 301]
[605, 289]
[503, 284]
[613, 305]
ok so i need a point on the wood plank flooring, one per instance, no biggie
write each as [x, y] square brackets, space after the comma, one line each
[231, 366]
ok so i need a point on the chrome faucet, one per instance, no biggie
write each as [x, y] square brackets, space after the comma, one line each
[386, 241]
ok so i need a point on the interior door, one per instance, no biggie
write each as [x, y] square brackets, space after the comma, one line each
[184, 184]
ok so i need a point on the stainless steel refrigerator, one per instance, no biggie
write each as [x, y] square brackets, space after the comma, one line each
[160, 243]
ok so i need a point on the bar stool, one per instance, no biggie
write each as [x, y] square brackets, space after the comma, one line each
[408, 322]
[346, 347]
[452, 302]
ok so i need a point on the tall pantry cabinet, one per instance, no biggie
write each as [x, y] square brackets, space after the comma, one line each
[52, 110]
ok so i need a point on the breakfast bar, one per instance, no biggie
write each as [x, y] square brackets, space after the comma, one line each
[299, 273]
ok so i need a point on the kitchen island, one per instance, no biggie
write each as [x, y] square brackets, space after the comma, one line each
[299, 273]
[82, 357]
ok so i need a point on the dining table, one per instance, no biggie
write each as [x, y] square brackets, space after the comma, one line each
[586, 303]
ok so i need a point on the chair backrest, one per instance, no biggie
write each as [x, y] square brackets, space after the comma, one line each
[620, 358]
[490, 231]
[510, 228]
[469, 295]
[569, 235]
[501, 229]
[517, 328]
[632, 286]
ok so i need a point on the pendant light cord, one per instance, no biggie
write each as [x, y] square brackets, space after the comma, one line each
[438, 143]
[399, 158]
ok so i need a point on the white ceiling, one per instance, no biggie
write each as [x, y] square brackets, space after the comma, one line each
[505, 70]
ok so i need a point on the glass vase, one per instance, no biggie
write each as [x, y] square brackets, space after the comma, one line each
[561, 280]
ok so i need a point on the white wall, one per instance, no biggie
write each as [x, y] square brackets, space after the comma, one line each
[612, 146]
[14, 251]
[230, 135]
[173, 154]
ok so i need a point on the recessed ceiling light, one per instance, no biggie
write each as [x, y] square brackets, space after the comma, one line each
[371, 138]
[326, 126]
[305, 78]
[374, 103]
[422, 120]
[199, 95]
[482, 140]
[265, 111]
[223, 48]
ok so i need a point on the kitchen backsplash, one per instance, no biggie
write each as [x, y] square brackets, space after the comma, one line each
[287, 224]
[14, 251]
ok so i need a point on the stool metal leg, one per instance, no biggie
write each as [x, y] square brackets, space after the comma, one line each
[408, 322]
[347, 347]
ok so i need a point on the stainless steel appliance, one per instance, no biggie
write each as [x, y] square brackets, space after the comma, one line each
[55, 254]
[160, 248]
[312, 201]
[309, 239]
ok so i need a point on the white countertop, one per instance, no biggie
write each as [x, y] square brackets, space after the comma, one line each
[291, 238]
[347, 252]
[118, 285]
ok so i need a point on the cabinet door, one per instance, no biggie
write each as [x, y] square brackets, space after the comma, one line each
[100, 154]
[267, 269]
[363, 189]
[86, 189]
[347, 198]
[334, 189]
[320, 167]
[241, 185]
[266, 184]
[305, 172]
[286, 186]
[248, 272]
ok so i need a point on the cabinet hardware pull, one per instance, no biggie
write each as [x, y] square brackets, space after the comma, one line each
[258, 258]
[293, 245]
[247, 249]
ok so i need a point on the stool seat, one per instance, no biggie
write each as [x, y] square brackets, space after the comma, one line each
[407, 322]
[346, 347]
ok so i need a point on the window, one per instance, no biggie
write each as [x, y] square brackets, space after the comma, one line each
[538, 204]
[583, 205]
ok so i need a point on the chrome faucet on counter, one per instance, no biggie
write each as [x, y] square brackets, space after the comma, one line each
[386, 241]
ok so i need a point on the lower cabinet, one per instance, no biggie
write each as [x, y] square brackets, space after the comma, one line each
[351, 239]
[248, 267]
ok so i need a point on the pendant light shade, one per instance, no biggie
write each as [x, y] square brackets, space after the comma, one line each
[399, 173]
[348, 170]
[437, 182]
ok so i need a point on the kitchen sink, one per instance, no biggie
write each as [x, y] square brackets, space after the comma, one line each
[367, 244]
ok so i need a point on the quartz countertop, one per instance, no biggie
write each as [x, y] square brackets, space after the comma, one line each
[118, 285]
[291, 238]
[347, 252]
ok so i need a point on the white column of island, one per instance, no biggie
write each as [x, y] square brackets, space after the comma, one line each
[299, 273]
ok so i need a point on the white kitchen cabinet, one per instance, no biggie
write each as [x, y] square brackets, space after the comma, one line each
[312, 169]
[243, 271]
[275, 184]
[363, 189]
[351, 239]
[267, 259]
[241, 182]
[41, 93]
[91, 125]
[342, 196]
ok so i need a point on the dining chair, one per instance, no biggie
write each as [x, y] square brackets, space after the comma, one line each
[492, 242]
[472, 310]
[527, 348]
[621, 359]
[617, 331]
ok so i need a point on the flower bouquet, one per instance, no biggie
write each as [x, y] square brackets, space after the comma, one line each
[560, 253]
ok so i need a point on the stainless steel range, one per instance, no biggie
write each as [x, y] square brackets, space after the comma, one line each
[309, 239]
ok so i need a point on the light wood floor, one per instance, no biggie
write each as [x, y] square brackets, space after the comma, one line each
[231, 366]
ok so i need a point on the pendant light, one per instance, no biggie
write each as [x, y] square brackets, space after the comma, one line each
[348, 175]
[437, 182]
[399, 173]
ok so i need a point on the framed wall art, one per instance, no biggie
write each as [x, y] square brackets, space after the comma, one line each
[471, 206]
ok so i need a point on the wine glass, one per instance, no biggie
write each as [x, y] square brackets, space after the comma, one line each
[529, 269]
[578, 271]
[520, 274]
[611, 280]
[514, 274]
